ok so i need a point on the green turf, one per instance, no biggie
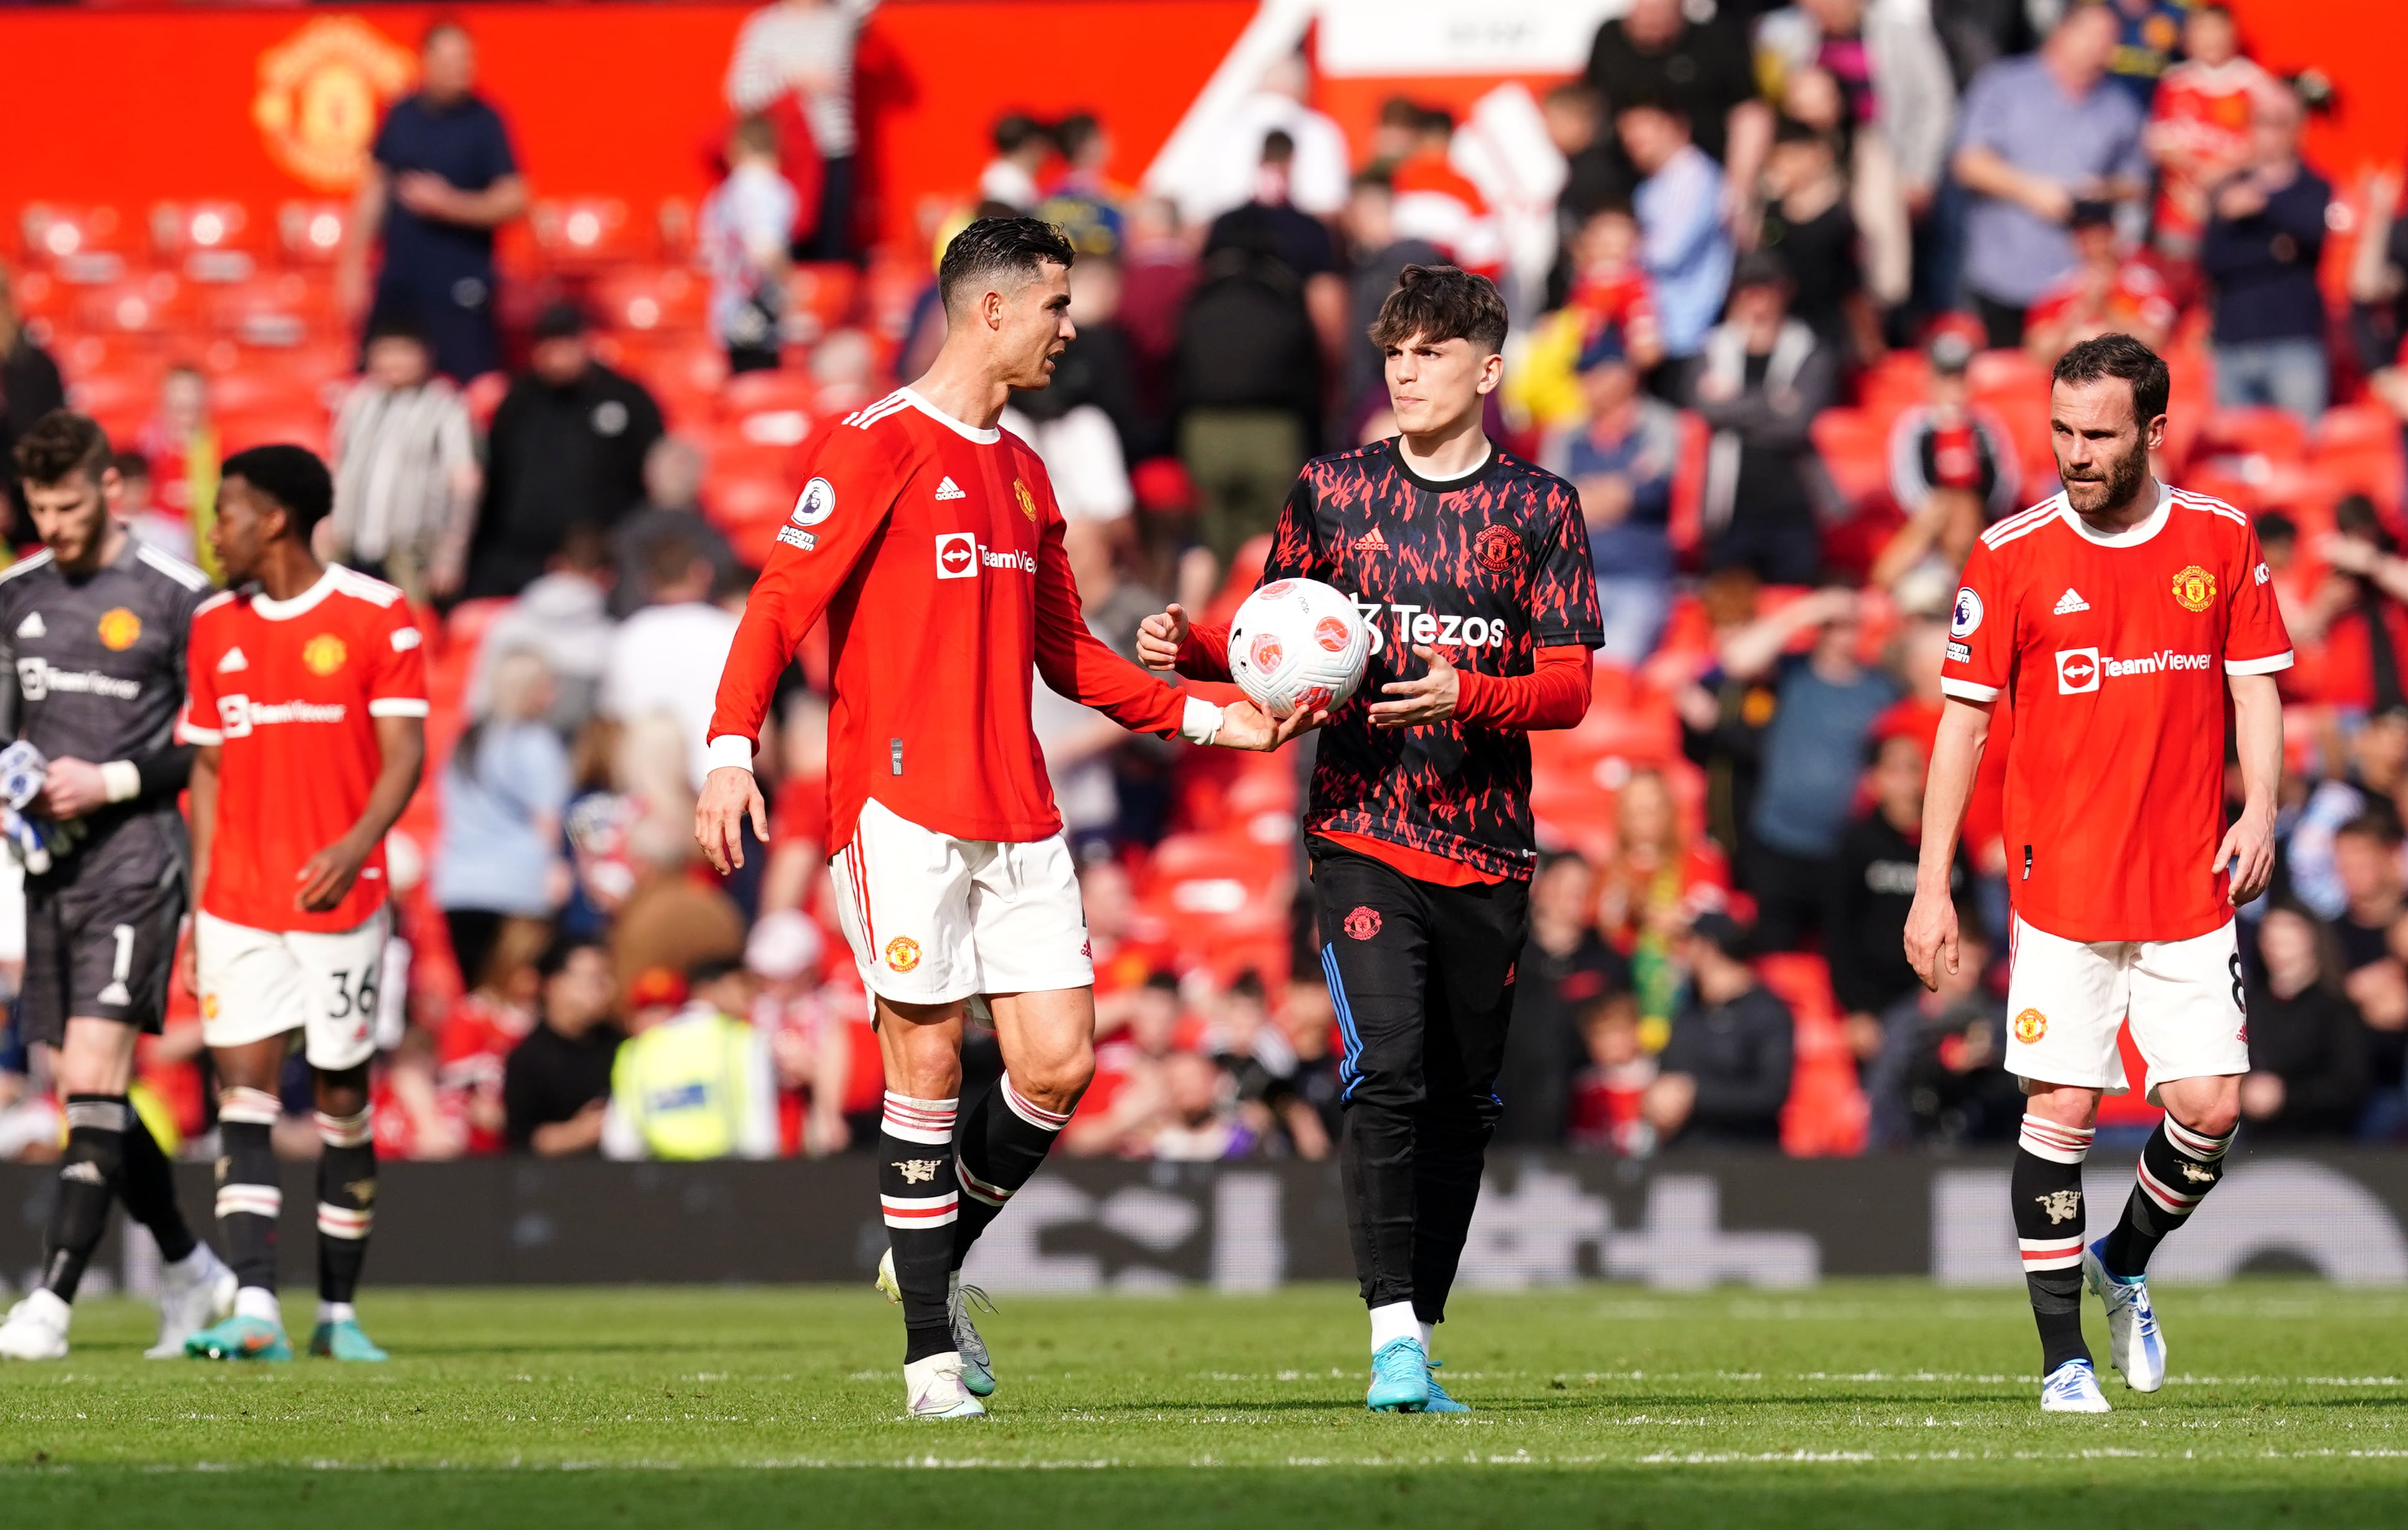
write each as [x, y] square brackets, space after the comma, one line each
[1861, 1403]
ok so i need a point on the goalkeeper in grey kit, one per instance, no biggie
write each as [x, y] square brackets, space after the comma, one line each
[92, 631]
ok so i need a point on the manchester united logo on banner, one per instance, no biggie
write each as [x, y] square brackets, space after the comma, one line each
[322, 91]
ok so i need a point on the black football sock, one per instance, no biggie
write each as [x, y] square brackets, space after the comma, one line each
[2047, 1191]
[347, 1166]
[89, 1172]
[917, 1191]
[249, 1199]
[1003, 1141]
[2178, 1167]
[148, 1187]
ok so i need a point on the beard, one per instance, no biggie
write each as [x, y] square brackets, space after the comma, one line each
[2121, 480]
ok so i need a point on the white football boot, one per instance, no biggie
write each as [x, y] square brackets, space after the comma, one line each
[35, 1329]
[193, 1296]
[936, 1391]
[2134, 1342]
[2073, 1388]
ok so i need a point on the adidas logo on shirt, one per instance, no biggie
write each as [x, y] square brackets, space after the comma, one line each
[1371, 541]
[32, 626]
[2069, 603]
[232, 662]
[949, 490]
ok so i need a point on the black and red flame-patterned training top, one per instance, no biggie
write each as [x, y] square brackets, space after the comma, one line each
[1488, 569]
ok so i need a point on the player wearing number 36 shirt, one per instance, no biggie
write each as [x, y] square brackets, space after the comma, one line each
[2119, 616]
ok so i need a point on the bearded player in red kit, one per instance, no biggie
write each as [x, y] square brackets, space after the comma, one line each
[2119, 614]
[931, 541]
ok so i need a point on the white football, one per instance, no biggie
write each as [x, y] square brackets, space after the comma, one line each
[1299, 645]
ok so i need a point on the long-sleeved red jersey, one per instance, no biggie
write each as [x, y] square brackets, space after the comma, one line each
[935, 550]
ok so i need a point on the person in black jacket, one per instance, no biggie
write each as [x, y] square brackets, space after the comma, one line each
[567, 449]
[556, 1084]
[2263, 244]
[2308, 1073]
[30, 388]
[1866, 939]
[1726, 1071]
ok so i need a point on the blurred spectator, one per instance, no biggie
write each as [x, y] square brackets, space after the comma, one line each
[1595, 174]
[1900, 105]
[698, 1084]
[2149, 36]
[1223, 175]
[1379, 253]
[1759, 382]
[1079, 743]
[1697, 70]
[1563, 971]
[2376, 769]
[30, 388]
[1813, 753]
[1808, 225]
[1684, 245]
[1609, 1095]
[1128, 1091]
[1725, 1074]
[2199, 131]
[1199, 1122]
[1082, 202]
[1434, 201]
[661, 656]
[2038, 134]
[2307, 1047]
[674, 470]
[1622, 461]
[1303, 242]
[503, 792]
[1309, 1020]
[1083, 426]
[1866, 940]
[2265, 238]
[564, 617]
[1952, 470]
[179, 442]
[2358, 614]
[442, 179]
[406, 473]
[795, 59]
[1246, 378]
[798, 848]
[746, 224]
[820, 1038]
[2380, 991]
[1158, 269]
[139, 507]
[1021, 147]
[556, 1088]
[2108, 291]
[1940, 1076]
[2366, 860]
[565, 450]
[1661, 876]
[1254, 1050]
[473, 1050]
[669, 922]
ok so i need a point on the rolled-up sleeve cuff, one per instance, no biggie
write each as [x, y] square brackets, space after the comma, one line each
[187, 734]
[1969, 691]
[1202, 722]
[2268, 666]
[398, 707]
[728, 749]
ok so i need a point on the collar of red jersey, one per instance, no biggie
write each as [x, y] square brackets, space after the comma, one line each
[300, 605]
[2130, 535]
[984, 437]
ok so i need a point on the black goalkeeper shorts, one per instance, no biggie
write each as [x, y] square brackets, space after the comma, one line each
[98, 952]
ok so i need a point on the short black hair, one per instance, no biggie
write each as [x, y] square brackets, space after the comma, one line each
[2120, 356]
[996, 246]
[60, 444]
[2274, 526]
[397, 324]
[561, 950]
[1788, 129]
[709, 970]
[1279, 146]
[1074, 133]
[2379, 823]
[292, 476]
[1441, 303]
[1016, 129]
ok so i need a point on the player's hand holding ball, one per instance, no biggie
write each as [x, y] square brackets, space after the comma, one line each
[729, 797]
[1247, 726]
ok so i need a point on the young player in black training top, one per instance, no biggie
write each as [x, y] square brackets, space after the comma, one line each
[92, 674]
[1471, 566]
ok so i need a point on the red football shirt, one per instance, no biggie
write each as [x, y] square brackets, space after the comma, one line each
[289, 692]
[934, 550]
[2115, 649]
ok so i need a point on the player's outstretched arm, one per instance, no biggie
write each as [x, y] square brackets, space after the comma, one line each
[1932, 923]
[729, 797]
[328, 875]
[1167, 641]
[2248, 846]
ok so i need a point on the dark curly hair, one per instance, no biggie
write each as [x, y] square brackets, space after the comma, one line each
[61, 444]
[1441, 303]
[993, 247]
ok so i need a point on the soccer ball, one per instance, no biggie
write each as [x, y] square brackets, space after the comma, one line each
[1298, 645]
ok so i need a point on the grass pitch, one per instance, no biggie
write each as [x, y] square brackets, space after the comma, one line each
[1855, 1404]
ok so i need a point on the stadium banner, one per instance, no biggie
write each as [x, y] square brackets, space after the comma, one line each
[1681, 1222]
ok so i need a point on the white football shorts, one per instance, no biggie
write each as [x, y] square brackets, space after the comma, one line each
[261, 983]
[932, 919]
[2066, 1000]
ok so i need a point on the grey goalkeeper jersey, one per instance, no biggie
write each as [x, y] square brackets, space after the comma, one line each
[93, 668]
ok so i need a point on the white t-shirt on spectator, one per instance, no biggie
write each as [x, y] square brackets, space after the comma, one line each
[667, 659]
[777, 41]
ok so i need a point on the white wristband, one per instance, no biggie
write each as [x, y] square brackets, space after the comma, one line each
[728, 749]
[1202, 722]
[121, 779]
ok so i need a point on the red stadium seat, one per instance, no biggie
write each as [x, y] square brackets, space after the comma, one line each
[208, 240]
[585, 231]
[311, 232]
[1855, 448]
[1826, 1113]
[2276, 435]
[83, 245]
[640, 300]
[149, 304]
[120, 400]
[771, 409]
[284, 308]
[301, 425]
[821, 296]
[1686, 527]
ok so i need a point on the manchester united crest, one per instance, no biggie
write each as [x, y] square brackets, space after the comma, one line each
[2031, 1027]
[324, 654]
[119, 629]
[902, 953]
[1497, 548]
[1028, 500]
[1363, 924]
[2194, 589]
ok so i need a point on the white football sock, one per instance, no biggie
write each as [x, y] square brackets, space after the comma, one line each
[337, 1311]
[50, 1307]
[1429, 1332]
[1392, 1322]
[258, 1302]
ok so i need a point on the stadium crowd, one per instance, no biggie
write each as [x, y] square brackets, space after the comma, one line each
[1786, 326]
